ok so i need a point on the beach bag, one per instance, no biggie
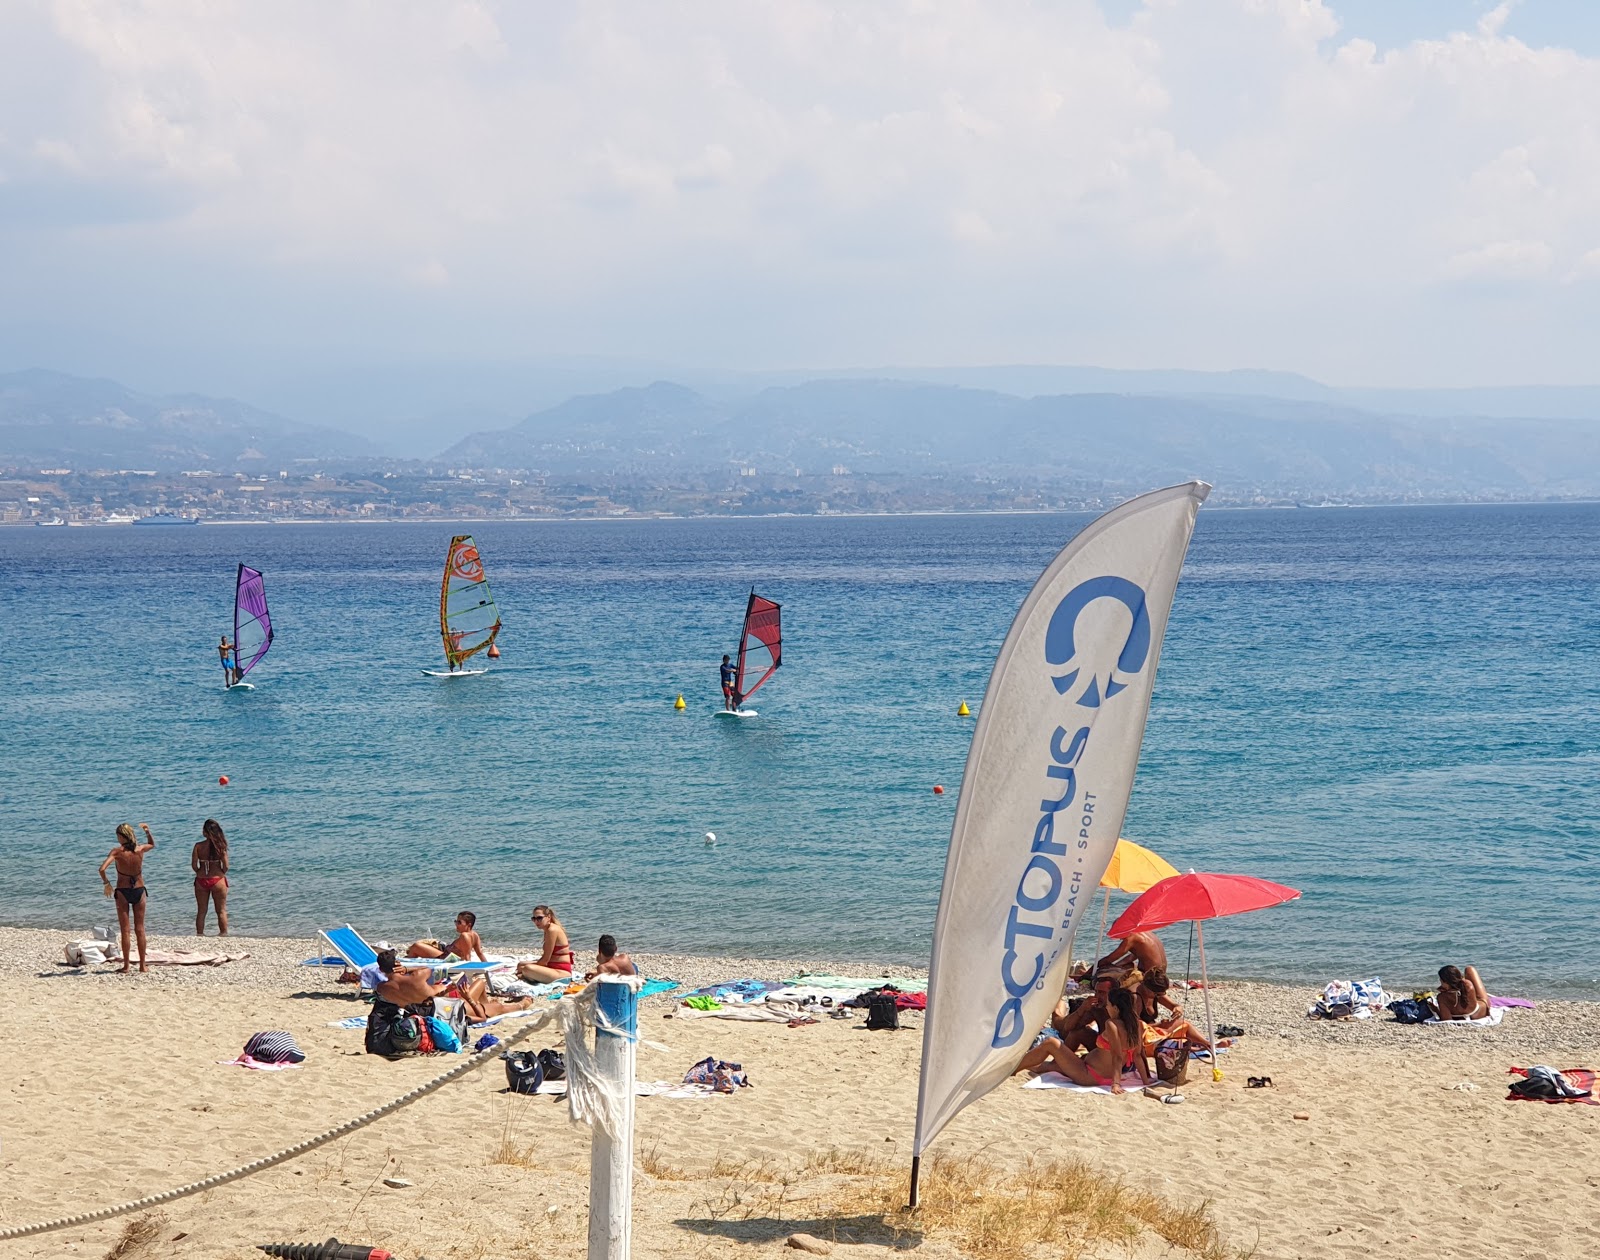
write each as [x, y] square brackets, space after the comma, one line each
[1172, 1061]
[1410, 1011]
[453, 1012]
[554, 1065]
[404, 1035]
[444, 1037]
[882, 1011]
[275, 1046]
[524, 1072]
[1545, 1082]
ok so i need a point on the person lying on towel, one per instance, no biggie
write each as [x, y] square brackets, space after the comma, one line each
[1461, 994]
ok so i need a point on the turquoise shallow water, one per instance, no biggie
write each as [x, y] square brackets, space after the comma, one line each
[1394, 710]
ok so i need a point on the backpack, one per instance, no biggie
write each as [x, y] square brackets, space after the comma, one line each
[404, 1035]
[554, 1065]
[882, 1011]
[1545, 1082]
[444, 1036]
[524, 1071]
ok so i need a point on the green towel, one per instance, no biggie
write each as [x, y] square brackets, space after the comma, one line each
[703, 1003]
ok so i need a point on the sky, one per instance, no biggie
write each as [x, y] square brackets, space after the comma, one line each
[235, 197]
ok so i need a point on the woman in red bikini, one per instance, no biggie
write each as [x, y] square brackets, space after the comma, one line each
[1114, 1051]
[128, 858]
[210, 863]
[556, 961]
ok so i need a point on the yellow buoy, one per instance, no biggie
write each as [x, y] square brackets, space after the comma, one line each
[963, 711]
[679, 704]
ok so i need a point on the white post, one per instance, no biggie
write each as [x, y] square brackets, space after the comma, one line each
[611, 1155]
[1205, 988]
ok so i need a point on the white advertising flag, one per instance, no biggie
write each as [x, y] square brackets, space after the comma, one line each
[1044, 794]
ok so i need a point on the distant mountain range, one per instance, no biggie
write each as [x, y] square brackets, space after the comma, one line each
[1263, 434]
[1245, 443]
[48, 418]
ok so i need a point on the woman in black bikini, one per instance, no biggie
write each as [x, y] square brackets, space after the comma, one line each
[128, 857]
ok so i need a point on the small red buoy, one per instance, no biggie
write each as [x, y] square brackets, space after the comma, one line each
[494, 652]
[222, 779]
[938, 789]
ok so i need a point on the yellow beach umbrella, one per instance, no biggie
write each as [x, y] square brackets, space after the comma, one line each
[1134, 869]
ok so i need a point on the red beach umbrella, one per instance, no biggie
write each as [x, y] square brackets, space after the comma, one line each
[1199, 896]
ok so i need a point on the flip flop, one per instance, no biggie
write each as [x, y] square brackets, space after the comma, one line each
[1259, 1082]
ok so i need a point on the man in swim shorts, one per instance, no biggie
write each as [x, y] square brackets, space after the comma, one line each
[230, 669]
[730, 675]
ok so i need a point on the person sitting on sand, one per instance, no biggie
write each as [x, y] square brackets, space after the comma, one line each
[1149, 1000]
[607, 962]
[1461, 994]
[128, 857]
[465, 948]
[1142, 951]
[1079, 1025]
[1115, 1050]
[209, 860]
[556, 961]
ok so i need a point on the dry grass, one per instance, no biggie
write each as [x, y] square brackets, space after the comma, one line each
[507, 1151]
[985, 1210]
[137, 1234]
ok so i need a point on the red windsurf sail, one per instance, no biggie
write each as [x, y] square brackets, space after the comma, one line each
[760, 646]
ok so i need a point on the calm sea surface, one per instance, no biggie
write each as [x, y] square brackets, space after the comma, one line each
[1397, 711]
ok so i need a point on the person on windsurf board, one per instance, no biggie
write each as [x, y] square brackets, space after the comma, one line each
[230, 671]
[730, 674]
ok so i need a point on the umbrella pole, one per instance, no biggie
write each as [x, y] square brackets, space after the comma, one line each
[1100, 940]
[1205, 988]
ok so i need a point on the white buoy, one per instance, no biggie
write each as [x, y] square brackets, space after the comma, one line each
[711, 837]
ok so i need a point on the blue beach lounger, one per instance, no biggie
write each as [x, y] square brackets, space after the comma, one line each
[350, 946]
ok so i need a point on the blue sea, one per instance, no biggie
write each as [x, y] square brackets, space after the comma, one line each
[1397, 711]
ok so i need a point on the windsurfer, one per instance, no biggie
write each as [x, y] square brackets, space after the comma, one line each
[230, 668]
[730, 675]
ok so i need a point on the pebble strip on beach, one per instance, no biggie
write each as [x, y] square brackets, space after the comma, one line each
[1555, 1030]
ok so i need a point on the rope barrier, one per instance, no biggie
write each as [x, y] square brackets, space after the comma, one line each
[290, 1152]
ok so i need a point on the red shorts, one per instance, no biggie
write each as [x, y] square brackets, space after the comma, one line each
[727, 690]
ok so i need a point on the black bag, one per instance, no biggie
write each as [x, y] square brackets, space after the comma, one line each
[554, 1064]
[1410, 1011]
[882, 1012]
[524, 1071]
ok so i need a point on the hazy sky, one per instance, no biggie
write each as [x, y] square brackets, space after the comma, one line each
[200, 193]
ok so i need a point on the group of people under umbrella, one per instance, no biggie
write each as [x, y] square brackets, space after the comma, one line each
[1124, 1021]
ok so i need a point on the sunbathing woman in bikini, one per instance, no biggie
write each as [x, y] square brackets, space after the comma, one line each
[128, 857]
[556, 961]
[210, 862]
[1115, 1050]
[1149, 998]
[1461, 995]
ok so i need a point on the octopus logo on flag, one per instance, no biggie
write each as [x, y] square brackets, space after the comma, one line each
[1060, 647]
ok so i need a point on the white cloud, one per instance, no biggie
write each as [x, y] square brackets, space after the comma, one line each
[1211, 184]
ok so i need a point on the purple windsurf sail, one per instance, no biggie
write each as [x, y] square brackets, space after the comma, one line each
[252, 627]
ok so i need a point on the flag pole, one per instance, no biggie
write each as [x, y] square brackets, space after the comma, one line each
[916, 1172]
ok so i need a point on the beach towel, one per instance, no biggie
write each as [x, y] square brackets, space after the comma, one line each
[1575, 1078]
[641, 1089]
[1054, 1080]
[823, 981]
[256, 1065]
[653, 987]
[190, 958]
[735, 992]
[754, 1014]
[1495, 1015]
[1510, 1003]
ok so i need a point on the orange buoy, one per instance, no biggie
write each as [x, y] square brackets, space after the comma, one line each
[938, 789]
[222, 779]
[494, 651]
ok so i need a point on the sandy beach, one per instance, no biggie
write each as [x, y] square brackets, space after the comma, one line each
[113, 1090]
